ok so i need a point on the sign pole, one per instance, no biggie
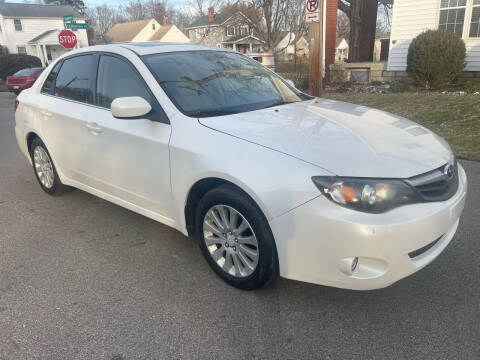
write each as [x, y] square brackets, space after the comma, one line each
[316, 53]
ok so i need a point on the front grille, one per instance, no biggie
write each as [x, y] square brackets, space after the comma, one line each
[436, 185]
[424, 249]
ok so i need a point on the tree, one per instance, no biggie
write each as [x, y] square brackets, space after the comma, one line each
[273, 18]
[363, 21]
[201, 6]
[78, 5]
[343, 26]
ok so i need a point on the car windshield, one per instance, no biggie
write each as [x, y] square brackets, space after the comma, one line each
[26, 72]
[214, 83]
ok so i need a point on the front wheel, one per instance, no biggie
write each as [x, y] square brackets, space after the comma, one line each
[235, 238]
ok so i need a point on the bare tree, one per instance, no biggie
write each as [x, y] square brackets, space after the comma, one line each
[102, 18]
[343, 26]
[201, 6]
[275, 18]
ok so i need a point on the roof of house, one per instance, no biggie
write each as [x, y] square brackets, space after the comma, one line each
[37, 11]
[160, 33]
[339, 41]
[203, 20]
[126, 31]
[36, 38]
[234, 39]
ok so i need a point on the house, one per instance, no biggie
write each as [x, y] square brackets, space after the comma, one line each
[148, 30]
[231, 31]
[285, 48]
[412, 17]
[341, 50]
[33, 29]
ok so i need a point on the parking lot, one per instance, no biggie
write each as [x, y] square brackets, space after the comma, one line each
[81, 278]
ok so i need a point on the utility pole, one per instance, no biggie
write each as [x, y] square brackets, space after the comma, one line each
[316, 46]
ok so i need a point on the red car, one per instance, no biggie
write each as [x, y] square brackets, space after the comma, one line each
[23, 79]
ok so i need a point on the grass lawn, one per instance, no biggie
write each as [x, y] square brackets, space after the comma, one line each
[453, 117]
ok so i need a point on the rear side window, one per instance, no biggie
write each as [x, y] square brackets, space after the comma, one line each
[74, 79]
[116, 78]
[48, 84]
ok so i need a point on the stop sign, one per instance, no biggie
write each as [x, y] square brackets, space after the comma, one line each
[67, 39]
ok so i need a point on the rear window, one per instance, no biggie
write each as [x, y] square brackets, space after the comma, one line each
[26, 72]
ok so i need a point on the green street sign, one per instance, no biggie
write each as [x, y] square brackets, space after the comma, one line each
[75, 26]
[67, 18]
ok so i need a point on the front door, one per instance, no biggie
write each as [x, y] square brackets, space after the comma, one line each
[129, 157]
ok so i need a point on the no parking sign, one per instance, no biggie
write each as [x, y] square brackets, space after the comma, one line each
[312, 10]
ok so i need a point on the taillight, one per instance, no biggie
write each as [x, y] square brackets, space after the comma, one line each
[29, 78]
[15, 105]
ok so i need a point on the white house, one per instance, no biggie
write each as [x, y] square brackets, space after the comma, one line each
[33, 29]
[341, 50]
[285, 48]
[145, 31]
[412, 17]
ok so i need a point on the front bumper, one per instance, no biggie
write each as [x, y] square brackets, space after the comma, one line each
[316, 241]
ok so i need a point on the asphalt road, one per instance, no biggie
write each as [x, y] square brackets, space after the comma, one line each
[81, 278]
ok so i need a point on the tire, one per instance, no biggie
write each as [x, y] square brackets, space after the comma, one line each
[229, 200]
[53, 186]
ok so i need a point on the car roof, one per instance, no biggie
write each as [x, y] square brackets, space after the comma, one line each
[148, 48]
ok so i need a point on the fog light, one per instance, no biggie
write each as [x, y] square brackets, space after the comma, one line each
[354, 264]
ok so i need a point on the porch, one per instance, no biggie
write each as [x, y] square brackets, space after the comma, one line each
[46, 47]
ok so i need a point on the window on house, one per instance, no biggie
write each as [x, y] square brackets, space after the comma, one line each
[475, 23]
[153, 26]
[230, 31]
[21, 50]
[18, 24]
[452, 16]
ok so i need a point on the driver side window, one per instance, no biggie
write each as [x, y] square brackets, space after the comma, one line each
[115, 79]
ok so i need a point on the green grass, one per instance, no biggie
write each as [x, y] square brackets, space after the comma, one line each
[453, 117]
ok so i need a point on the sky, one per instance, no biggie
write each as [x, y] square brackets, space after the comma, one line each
[101, 2]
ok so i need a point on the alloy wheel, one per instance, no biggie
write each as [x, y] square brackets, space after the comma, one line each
[230, 240]
[43, 167]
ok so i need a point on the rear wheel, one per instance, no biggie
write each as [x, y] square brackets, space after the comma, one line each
[44, 169]
[235, 238]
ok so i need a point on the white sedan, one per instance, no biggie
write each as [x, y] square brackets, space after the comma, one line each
[269, 180]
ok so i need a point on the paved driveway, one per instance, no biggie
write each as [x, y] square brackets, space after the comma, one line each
[81, 278]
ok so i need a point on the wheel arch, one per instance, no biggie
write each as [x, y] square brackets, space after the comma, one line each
[204, 185]
[29, 139]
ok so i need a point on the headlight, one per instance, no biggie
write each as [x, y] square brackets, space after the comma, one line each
[367, 195]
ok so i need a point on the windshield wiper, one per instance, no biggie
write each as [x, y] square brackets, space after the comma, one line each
[209, 113]
[280, 103]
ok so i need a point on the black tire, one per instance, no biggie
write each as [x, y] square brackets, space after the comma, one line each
[267, 267]
[57, 188]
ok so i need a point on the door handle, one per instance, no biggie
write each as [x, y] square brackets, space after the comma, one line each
[94, 128]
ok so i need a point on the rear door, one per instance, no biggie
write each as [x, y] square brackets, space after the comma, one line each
[67, 93]
[130, 157]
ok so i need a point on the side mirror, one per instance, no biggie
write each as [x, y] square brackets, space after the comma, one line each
[130, 107]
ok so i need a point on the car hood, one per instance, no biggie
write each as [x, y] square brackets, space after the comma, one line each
[344, 139]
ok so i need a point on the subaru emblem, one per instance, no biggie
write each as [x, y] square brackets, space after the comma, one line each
[448, 171]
